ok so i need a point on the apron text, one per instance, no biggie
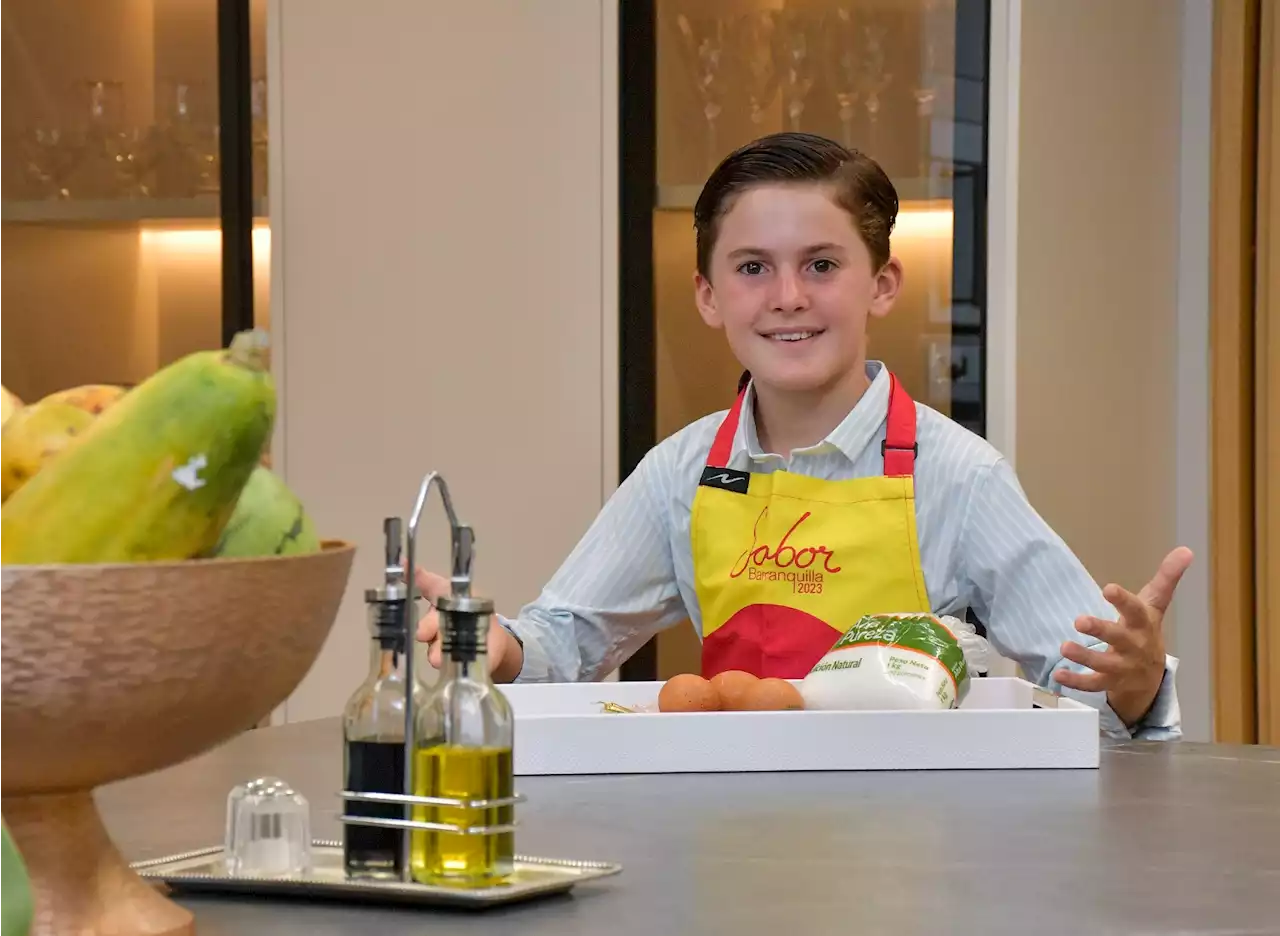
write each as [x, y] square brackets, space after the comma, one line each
[783, 556]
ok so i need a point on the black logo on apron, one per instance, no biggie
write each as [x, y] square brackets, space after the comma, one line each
[726, 478]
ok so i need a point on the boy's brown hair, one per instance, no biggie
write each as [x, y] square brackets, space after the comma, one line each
[860, 186]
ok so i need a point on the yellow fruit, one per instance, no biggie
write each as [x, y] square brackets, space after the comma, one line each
[92, 398]
[9, 404]
[35, 435]
[161, 471]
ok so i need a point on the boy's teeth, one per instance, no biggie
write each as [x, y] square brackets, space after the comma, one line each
[792, 336]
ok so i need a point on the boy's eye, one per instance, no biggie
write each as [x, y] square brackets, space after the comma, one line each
[752, 268]
[823, 266]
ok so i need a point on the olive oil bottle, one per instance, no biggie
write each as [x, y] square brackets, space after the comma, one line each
[373, 725]
[463, 752]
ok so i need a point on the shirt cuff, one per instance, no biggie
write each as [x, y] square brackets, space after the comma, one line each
[1163, 721]
[537, 665]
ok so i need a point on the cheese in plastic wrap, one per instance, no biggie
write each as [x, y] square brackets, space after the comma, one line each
[896, 661]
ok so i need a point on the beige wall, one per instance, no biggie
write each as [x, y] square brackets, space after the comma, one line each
[443, 288]
[1097, 274]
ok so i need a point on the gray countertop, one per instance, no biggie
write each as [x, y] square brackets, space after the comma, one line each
[1163, 838]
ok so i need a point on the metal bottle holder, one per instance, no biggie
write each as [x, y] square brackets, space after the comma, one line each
[205, 870]
[460, 600]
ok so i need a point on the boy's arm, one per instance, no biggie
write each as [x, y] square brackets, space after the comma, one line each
[614, 591]
[1028, 588]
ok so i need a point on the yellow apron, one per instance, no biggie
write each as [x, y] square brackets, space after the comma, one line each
[784, 563]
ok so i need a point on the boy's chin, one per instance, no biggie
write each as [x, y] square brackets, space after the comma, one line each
[792, 380]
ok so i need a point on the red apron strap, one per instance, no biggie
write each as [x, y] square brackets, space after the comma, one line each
[899, 447]
[722, 447]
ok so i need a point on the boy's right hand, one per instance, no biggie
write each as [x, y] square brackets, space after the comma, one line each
[505, 656]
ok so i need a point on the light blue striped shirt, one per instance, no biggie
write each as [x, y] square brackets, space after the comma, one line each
[982, 546]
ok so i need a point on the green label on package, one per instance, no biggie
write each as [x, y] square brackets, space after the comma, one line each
[922, 633]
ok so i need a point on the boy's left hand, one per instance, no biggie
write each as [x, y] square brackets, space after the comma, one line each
[1132, 668]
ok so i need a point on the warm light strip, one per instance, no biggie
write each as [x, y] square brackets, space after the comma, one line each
[924, 222]
[199, 240]
[912, 223]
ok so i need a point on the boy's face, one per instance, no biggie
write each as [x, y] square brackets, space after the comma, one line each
[791, 283]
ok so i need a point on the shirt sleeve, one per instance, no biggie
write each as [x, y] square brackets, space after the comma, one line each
[614, 591]
[1028, 588]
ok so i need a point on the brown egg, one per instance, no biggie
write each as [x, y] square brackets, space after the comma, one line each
[688, 692]
[773, 695]
[734, 687]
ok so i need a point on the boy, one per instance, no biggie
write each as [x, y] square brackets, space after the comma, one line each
[825, 493]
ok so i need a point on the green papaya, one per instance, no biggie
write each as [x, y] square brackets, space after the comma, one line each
[17, 906]
[158, 475]
[269, 520]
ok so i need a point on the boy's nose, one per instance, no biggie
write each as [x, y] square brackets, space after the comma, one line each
[789, 294]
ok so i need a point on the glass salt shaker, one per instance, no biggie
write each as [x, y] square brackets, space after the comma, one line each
[268, 829]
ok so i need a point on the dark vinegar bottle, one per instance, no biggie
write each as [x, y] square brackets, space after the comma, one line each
[373, 728]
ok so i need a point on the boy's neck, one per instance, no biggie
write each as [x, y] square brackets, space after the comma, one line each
[788, 421]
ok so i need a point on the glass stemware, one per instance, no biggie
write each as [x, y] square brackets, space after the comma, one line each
[793, 48]
[842, 64]
[753, 42]
[703, 46]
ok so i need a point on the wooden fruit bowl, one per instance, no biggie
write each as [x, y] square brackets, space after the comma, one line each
[112, 671]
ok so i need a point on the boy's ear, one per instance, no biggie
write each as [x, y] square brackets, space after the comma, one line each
[705, 296]
[888, 284]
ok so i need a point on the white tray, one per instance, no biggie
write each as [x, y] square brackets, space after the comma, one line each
[1005, 723]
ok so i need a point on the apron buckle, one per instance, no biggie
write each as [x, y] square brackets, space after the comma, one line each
[913, 448]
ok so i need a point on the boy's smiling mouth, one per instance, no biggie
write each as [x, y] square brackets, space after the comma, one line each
[792, 335]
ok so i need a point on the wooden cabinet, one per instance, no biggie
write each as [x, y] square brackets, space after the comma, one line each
[134, 180]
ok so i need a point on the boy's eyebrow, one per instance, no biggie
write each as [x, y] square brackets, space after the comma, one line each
[761, 252]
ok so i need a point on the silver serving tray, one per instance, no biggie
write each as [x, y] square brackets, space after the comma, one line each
[204, 872]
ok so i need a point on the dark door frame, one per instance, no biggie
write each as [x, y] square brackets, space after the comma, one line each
[235, 176]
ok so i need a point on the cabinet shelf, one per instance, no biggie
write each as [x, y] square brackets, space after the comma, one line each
[683, 197]
[51, 211]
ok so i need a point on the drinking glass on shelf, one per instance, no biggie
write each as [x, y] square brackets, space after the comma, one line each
[175, 144]
[794, 33]
[925, 91]
[934, 87]
[135, 160]
[702, 47]
[873, 79]
[49, 155]
[204, 136]
[99, 169]
[126, 147]
[753, 47]
[842, 62]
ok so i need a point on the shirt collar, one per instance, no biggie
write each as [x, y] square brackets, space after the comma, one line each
[854, 433]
